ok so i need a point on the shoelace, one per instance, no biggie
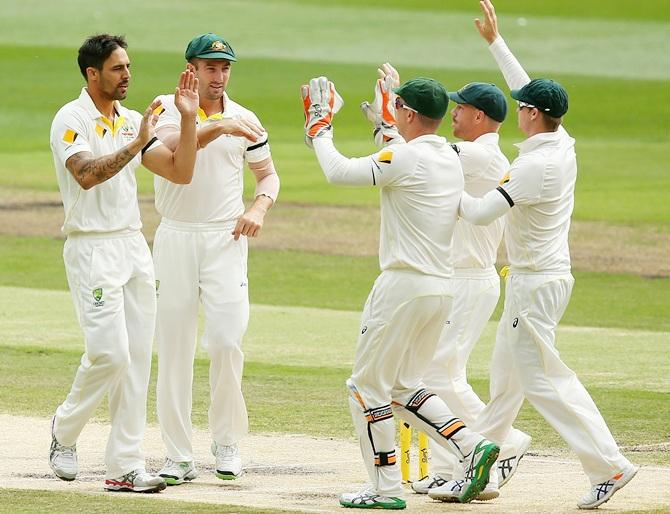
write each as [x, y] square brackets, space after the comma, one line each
[226, 451]
[69, 451]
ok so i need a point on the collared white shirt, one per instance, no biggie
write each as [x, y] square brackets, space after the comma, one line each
[541, 185]
[484, 165]
[112, 205]
[420, 188]
[215, 193]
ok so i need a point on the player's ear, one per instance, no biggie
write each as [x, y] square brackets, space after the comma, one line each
[92, 73]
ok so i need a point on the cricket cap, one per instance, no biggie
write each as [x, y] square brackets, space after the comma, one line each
[209, 46]
[485, 97]
[545, 94]
[426, 96]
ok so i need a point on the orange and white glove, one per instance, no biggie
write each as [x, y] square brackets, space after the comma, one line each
[320, 102]
[381, 112]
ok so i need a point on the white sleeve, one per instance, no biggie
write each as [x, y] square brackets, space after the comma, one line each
[259, 150]
[475, 158]
[69, 136]
[379, 169]
[168, 115]
[515, 76]
[524, 182]
[483, 211]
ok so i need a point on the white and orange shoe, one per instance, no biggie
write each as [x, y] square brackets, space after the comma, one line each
[602, 492]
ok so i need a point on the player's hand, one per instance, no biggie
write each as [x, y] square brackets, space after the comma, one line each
[249, 224]
[381, 112]
[241, 128]
[488, 28]
[148, 124]
[320, 102]
[186, 98]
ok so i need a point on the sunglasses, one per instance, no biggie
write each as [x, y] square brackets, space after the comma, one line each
[530, 106]
[400, 105]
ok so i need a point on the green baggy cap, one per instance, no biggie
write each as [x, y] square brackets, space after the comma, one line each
[426, 96]
[545, 94]
[209, 46]
[485, 97]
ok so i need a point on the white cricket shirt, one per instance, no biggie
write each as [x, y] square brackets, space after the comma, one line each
[484, 165]
[421, 183]
[112, 205]
[215, 193]
[541, 187]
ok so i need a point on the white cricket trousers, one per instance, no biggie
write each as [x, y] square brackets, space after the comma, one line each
[111, 279]
[200, 262]
[526, 363]
[476, 293]
[400, 326]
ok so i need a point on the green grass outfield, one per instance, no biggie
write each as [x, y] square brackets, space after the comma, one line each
[613, 60]
[298, 358]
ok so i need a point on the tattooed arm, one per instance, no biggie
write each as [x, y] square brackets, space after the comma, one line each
[90, 171]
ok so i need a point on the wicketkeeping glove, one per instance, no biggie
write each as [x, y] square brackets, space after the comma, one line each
[382, 110]
[321, 102]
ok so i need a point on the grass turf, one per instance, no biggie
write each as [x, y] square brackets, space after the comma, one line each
[20, 501]
[343, 282]
[298, 359]
[312, 400]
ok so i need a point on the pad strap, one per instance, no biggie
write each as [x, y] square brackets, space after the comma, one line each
[385, 458]
[379, 414]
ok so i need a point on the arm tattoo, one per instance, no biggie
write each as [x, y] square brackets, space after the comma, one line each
[98, 170]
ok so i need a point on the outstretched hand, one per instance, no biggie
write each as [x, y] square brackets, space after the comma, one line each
[186, 98]
[148, 125]
[320, 102]
[381, 112]
[489, 27]
[241, 128]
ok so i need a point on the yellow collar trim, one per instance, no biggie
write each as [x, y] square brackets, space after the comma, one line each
[202, 116]
[113, 127]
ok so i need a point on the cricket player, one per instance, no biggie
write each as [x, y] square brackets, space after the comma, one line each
[480, 110]
[200, 255]
[420, 185]
[538, 197]
[97, 145]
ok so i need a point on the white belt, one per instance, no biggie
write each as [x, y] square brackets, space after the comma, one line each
[188, 226]
[126, 232]
[476, 273]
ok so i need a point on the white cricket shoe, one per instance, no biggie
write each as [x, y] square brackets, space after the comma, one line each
[451, 491]
[176, 473]
[228, 461]
[508, 464]
[426, 483]
[62, 459]
[368, 499]
[137, 481]
[601, 493]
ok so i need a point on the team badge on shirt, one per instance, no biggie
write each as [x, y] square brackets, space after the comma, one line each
[505, 179]
[97, 296]
[70, 136]
[385, 156]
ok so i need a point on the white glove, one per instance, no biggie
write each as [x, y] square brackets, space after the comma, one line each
[320, 102]
[382, 110]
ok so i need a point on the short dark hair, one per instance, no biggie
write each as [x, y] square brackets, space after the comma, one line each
[96, 49]
[551, 122]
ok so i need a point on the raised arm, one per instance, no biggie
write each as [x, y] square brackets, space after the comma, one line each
[90, 171]
[169, 135]
[515, 76]
[176, 165]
